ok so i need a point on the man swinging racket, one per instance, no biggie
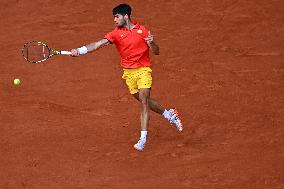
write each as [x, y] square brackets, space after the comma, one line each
[133, 42]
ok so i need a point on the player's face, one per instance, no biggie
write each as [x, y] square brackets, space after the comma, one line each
[119, 20]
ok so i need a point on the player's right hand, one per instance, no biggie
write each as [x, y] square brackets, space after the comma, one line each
[75, 52]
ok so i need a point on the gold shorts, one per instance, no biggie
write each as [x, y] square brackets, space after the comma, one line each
[137, 78]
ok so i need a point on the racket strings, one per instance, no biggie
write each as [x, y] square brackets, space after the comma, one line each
[35, 52]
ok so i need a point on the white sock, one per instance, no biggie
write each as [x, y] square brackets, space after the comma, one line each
[143, 134]
[167, 114]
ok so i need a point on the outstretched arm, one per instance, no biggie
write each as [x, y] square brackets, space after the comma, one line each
[90, 47]
[152, 45]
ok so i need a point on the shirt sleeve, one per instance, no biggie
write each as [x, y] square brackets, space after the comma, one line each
[110, 37]
[145, 31]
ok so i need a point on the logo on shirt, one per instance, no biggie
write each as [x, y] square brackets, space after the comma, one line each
[122, 35]
[139, 31]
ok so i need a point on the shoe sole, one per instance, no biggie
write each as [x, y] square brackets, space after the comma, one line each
[139, 149]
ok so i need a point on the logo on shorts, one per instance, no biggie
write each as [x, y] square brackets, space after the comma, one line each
[139, 31]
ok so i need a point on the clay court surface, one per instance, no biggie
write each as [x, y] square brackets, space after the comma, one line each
[71, 124]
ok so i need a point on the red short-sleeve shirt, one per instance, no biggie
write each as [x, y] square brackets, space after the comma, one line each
[131, 45]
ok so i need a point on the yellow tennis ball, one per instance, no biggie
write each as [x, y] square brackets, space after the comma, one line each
[17, 81]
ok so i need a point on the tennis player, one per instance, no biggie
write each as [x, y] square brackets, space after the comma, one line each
[133, 42]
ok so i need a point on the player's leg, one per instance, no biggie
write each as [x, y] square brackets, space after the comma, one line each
[144, 95]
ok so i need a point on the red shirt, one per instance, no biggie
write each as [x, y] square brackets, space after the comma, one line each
[131, 45]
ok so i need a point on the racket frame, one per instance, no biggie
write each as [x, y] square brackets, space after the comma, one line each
[52, 52]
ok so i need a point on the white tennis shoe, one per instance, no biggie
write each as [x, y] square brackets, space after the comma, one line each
[140, 144]
[174, 119]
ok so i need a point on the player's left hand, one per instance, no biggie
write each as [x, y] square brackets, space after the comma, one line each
[149, 39]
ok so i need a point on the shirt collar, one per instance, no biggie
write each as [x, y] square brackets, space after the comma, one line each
[136, 23]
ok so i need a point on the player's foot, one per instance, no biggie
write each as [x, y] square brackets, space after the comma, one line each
[140, 144]
[174, 119]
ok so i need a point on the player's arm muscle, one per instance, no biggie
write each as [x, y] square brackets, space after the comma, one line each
[96, 45]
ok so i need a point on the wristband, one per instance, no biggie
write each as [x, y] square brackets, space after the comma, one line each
[83, 50]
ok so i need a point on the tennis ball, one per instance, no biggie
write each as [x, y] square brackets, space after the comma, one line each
[17, 81]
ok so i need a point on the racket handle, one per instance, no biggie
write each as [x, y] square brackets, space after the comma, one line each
[65, 52]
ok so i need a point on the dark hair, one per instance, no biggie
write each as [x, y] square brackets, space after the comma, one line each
[122, 9]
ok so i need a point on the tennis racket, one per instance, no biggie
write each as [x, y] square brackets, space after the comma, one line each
[37, 52]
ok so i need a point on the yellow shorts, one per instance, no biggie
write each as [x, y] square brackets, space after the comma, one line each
[137, 78]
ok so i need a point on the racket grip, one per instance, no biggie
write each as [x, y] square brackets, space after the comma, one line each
[65, 52]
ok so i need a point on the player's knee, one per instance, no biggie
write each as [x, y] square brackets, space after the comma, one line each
[144, 95]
